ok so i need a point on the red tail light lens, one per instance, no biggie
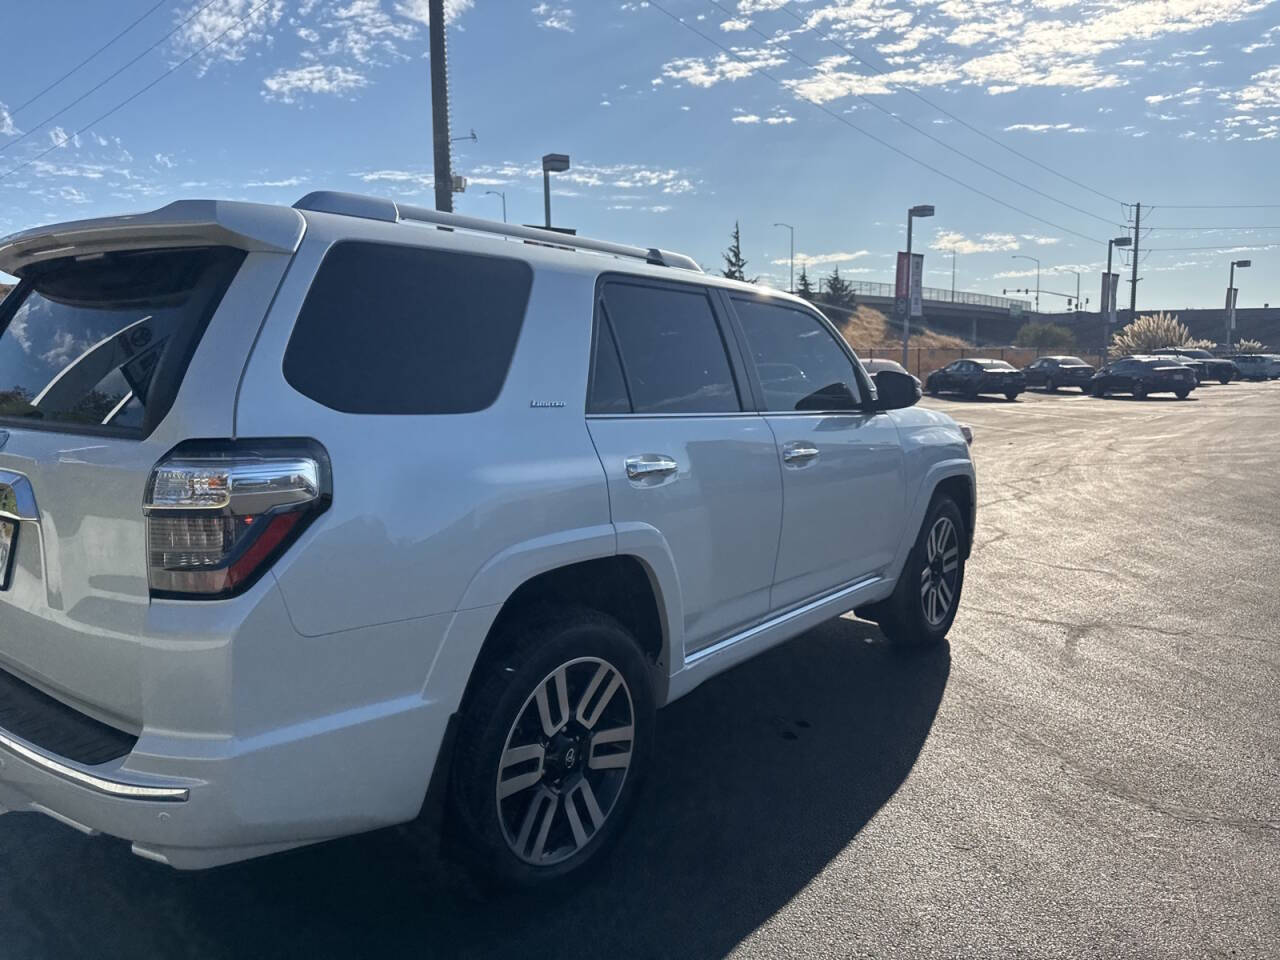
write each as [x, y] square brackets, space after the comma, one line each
[219, 514]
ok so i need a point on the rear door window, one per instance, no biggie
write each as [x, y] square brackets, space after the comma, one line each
[101, 343]
[671, 349]
[389, 329]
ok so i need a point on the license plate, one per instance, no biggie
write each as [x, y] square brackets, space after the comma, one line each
[8, 542]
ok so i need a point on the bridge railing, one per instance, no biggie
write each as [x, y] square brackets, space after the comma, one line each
[871, 288]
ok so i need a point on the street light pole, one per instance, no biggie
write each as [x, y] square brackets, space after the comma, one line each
[1023, 256]
[499, 193]
[551, 163]
[1111, 293]
[793, 254]
[1231, 296]
[921, 210]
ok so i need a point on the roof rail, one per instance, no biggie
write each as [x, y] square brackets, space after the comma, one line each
[377, 208]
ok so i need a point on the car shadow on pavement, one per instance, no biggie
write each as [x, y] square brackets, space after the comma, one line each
[761, 777]
[980, 398]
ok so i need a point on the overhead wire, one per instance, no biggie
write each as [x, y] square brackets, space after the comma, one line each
[868, 134]
[87, 60]
[936, 139]
[136, 94]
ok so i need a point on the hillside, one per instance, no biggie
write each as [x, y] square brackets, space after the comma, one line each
[868, 329]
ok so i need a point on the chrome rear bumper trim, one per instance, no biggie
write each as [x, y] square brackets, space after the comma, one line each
[120, 789]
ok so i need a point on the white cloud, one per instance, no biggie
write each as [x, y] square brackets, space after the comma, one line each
[288, 182]
[746, 118]
[287, 85]
[229, 27]
[1266, 39]
[735, 25]
[6, 122]
[708, 71]
[554, 18]
[1037, 127]
[1040, 241]
[166, 160]
[821, 259]
[1262, 92]
[949, 241]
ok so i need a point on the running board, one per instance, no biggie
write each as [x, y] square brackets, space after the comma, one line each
[705, 663]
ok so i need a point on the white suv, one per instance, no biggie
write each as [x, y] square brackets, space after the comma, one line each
[303, 511]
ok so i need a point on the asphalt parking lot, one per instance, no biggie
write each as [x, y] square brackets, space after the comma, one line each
[1091, 769]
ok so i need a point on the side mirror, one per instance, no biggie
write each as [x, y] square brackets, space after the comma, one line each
[896, 390]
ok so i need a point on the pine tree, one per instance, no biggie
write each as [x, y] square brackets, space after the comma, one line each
[838, 299]
[804, 287]
[735, 265]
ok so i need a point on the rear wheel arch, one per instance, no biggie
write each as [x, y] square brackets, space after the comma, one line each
[621, 587]
[958, 488]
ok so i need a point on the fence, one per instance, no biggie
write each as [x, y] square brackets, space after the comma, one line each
[924, 360]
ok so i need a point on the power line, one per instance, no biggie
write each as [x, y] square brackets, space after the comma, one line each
[871, 136]
[960, 120]
[924, 133]
[1221, 246]
[134, 96]
[1221, 206]
[88, 59]
[102, 83]
[1271, 227]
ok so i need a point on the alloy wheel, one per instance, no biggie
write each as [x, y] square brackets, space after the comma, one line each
[565, 760]
[941, 573]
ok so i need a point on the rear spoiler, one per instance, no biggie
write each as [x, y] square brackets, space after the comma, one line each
[185, 223]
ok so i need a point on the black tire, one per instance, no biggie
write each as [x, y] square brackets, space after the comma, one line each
[1086, 388]
[1139, 391]
[931, 389]
[1182, 394]
[1224, 378]
[904, 618]
[1098, 390]
[1050, 385]
[496, 716]
[1011, 395]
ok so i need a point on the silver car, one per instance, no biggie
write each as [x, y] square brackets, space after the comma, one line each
[306, 511]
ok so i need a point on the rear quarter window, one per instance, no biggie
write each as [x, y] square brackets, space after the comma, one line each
[390, 329]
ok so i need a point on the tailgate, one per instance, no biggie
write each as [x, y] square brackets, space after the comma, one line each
[108, 359]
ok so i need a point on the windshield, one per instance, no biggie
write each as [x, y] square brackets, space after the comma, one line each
[993, 365]
[101, 342]
[1072, 362]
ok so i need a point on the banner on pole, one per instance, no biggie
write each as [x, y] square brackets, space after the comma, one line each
[917, 279]
[1110, 282]
[1232, 294]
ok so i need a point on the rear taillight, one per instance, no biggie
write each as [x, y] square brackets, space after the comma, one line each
[220, 513]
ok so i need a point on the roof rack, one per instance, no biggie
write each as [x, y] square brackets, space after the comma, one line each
[378, 208]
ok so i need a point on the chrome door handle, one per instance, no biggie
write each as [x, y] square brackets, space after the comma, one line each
[649, 466]
[798, 452]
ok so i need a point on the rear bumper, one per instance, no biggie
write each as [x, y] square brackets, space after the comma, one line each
[238, 799]
[257, 739]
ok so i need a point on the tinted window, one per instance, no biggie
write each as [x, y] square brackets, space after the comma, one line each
[673, 356]
[1072, 361]
[405, 330]
[103, 342]
[608, 388]
[801, 366]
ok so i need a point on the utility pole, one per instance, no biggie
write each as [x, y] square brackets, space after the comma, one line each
[953, 275]
[440, 106]
[792, 229]
[1133, 282]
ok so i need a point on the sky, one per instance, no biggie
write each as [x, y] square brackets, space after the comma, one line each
[1033, 127]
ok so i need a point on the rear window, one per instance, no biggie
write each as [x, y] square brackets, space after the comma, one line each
[101, 343]
[389, 329]
[994, 365]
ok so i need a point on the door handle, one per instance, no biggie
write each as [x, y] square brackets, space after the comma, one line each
[650, 465]
[798, 452]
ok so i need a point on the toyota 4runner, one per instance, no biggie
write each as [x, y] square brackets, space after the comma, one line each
[306, 511]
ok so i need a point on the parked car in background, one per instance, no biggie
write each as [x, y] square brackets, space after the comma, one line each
[1144, 375]
[1257, 366]
[264, 581]
[1054, 372]
[1203, 363]
[971, 377]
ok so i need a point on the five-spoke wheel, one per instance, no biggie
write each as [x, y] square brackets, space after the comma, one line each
[941, 571]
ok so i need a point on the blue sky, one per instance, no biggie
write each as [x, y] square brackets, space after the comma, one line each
[674, 135]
